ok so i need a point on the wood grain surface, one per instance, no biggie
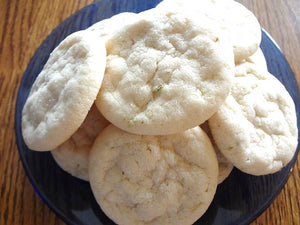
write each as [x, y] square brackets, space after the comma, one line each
[23, 27]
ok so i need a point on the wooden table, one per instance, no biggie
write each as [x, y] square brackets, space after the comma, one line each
[23, 27]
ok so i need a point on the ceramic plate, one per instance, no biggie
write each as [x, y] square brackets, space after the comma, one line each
[72, 200]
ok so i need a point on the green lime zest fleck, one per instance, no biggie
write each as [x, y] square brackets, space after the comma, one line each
[158, 88]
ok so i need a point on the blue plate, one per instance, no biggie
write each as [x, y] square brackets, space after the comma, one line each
[72, 200]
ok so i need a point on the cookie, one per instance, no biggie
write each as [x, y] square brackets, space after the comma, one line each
[165, 73]
[138, 179]
[258, 58]
[72, 155]
[256, 127]
[225, 167]
[64, 91]
[107, 27]
[237, 23]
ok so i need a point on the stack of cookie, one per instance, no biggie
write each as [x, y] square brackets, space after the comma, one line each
[124, 105]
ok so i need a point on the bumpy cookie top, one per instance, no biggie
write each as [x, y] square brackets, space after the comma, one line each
[256, 127]
[64, 91]
[166, 72]
[139, 179]
[236, 22]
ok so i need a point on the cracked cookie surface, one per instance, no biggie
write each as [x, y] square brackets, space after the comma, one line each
[64, 91]
[166, 72]
[138, 179]
[238, 24]
[256, 127]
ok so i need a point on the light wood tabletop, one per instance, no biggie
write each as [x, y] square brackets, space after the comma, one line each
[23, 27]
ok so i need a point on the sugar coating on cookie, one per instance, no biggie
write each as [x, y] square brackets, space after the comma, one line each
[72, 155]
[138, 179]
[64, 91]
[225, 167]
[166, 72]
[256, 127]
[237, 23]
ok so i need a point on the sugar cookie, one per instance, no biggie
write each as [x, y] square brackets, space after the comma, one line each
[256, 127]
[225, 167]
[238, 24]
[64, 91]
[258, 58]
[168, 179]
[106, 28]
[165, 73]
[72, 155]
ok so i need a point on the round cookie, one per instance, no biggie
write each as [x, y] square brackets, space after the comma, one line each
[72, 155]
[141, 180]
[237, 23]
[225, 167]
[256, 127]
[165, 73]
[64, 91]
